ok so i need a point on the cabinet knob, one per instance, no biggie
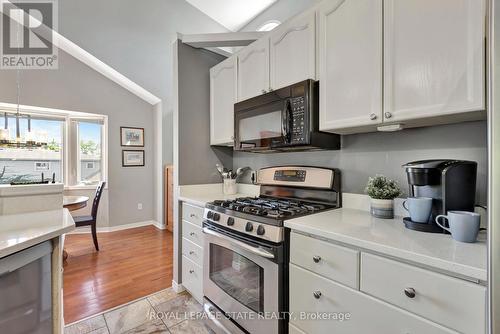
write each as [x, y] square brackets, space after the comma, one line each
[410, 292]
[264, 91]
[192, 215]
[373, 116]
[191, 252]
[192, 234]
[270, 89]
[316, 258]
[191, 271]
[317, 294]
[387, 114]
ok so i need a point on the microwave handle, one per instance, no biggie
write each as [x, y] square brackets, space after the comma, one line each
[286, 122]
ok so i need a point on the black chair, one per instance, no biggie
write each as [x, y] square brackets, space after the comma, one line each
[92, 220]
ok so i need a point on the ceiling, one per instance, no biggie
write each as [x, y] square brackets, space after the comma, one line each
[232, 14]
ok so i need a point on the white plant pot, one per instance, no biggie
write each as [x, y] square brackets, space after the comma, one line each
[382, 208]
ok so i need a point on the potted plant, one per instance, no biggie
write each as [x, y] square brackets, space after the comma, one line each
[382, 192]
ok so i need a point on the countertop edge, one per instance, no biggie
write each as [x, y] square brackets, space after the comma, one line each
[39, 239]
[422, 260]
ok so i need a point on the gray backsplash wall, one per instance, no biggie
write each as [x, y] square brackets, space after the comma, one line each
[364, 155]
[197, 159]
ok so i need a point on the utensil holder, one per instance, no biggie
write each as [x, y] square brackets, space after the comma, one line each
[230, 187]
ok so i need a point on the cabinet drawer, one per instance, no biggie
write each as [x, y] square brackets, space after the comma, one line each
[355, 312]
[192, 214]
[193, 233]
[338, 263]
[452, 302]
[192, 278]
[192, 251]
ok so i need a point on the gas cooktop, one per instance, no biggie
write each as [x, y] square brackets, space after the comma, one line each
[277, 208]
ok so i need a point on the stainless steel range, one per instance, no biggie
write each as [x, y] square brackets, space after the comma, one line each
[246, 247]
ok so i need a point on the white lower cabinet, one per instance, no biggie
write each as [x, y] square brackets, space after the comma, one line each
[313, 296]
[339, 289]
[450, 301]
[192, 250]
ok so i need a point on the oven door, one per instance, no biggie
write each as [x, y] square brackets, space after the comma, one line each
[263, 127]
[242, 279]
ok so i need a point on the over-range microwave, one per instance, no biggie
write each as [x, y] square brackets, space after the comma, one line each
[286, 119]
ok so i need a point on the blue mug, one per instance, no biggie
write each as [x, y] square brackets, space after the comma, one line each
[420, 208]
[464, 225]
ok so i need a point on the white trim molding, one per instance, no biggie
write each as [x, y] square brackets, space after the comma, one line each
[177, 287]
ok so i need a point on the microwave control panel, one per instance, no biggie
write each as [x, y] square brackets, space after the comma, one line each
[299, 128]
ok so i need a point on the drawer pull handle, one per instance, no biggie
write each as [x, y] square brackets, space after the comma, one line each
[191, 271]
[192, 234]
[410, 292]
[317, 294]
[316, 258]
[191, 252]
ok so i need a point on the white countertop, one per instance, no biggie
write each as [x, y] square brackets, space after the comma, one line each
[23, 230]
[201, 194]
[390, 237]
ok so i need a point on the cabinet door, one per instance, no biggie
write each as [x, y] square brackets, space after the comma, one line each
[253, 69]
[350, 64]
[222, 99]
[433, 58]
[293, 51]
[320, 306]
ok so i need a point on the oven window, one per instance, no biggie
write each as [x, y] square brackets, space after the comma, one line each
[238, 276]
[261, 126]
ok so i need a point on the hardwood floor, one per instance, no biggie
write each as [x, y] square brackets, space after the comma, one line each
[131, 264]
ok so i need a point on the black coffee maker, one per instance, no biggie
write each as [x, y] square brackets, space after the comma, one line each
[450, 183]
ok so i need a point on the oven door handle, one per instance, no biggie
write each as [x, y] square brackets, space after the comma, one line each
[255, 250]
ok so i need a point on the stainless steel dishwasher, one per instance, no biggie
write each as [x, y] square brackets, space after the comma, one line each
[26, 291]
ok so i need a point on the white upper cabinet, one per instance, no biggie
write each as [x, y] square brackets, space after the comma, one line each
[222, 99]
[434, 55]
[253, 69]
[293, 51]
[350, 64]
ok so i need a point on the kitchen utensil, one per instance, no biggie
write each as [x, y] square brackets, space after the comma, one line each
[420, 208]
[464, 225]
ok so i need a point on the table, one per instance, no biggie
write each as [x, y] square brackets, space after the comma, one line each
[73, 203]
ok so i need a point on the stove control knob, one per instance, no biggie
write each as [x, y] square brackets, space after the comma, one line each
[261, 230]
[210, 214]
[230, 221]
[216, 216]
[249, 227]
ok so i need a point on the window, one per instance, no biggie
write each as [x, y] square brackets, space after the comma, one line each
[27, 163]
[68, 146]
[269, 25]
[89, 138]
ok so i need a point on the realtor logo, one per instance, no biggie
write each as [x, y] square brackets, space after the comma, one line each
[27, 33]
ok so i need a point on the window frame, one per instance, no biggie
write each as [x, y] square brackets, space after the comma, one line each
[70, 137]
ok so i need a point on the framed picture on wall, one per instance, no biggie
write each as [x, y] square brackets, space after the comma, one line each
[132, 137]
[132, 158]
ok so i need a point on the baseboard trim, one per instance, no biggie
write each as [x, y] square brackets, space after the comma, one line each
[86, 229]
[177, 287]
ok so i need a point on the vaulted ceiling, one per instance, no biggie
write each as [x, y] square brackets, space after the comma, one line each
[232, 14]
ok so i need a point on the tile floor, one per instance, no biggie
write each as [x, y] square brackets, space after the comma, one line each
[162, 312]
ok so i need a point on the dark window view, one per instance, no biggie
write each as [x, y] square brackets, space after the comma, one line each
[239, 277]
